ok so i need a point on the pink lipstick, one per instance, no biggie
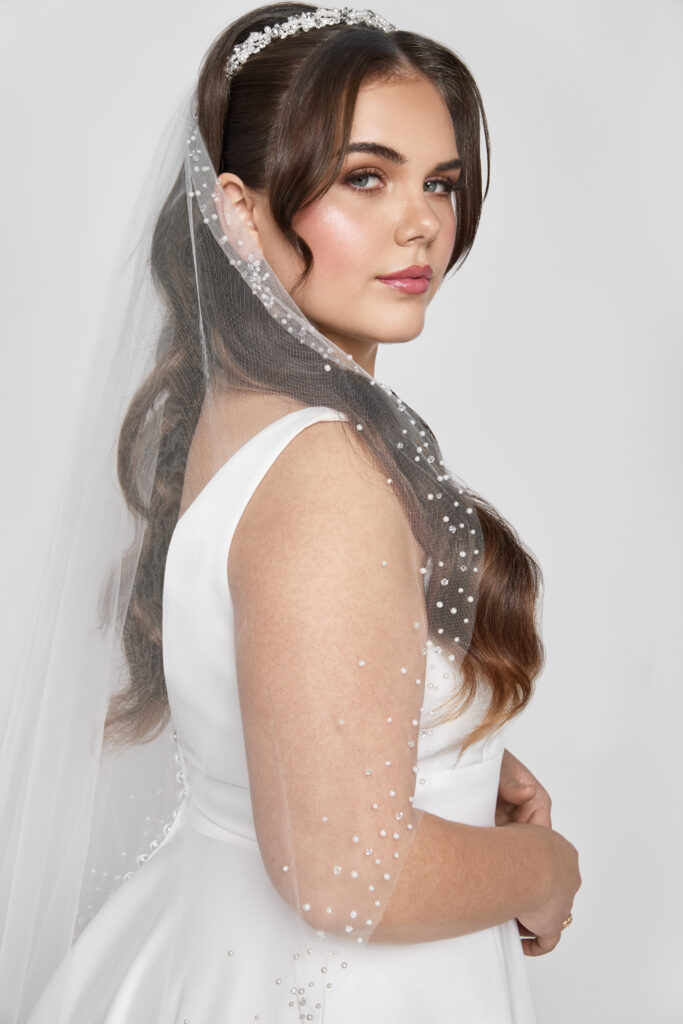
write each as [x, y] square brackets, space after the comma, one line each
[413, 280]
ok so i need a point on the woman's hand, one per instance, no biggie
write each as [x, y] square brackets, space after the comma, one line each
[541, 924]
[521, 797]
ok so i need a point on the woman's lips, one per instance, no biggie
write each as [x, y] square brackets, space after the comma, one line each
[411, 285]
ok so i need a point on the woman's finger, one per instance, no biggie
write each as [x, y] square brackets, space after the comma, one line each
[540, 944]
[517, 792]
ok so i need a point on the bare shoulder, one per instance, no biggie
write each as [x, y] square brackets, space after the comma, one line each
[325, 496]
[329, 456]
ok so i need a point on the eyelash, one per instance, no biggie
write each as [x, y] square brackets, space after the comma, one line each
[372, 172]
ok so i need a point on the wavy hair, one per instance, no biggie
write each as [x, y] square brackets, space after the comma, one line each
[282, 124]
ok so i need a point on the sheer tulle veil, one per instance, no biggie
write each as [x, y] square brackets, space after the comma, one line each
[81, 816]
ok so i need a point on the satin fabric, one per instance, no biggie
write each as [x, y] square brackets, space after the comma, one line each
[199, 934]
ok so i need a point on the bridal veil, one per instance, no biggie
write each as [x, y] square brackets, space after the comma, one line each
[197, 309]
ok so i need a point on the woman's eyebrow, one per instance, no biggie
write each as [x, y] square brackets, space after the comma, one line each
[377, 149]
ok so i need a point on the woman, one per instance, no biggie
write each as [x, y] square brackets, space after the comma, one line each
[333, 628]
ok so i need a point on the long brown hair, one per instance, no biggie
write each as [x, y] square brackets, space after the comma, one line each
[283, 125]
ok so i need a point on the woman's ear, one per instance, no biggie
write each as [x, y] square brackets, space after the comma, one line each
[240, 198]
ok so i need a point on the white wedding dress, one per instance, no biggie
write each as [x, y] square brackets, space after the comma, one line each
[240, 953]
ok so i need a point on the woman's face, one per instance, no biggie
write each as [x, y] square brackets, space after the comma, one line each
[391, 208]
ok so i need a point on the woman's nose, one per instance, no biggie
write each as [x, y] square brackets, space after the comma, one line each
[418, 219]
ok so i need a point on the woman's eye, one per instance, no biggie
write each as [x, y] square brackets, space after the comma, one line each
[359, 181]
[448, 186]
[361, 176]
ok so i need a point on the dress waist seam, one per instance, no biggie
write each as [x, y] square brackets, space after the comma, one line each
[206, 827]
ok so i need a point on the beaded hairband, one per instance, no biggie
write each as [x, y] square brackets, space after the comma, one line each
[302, 23]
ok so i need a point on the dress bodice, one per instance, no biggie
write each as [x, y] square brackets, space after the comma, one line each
[200, 670]
[199, 933]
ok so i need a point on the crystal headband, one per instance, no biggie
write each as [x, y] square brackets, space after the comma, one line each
[302, 23]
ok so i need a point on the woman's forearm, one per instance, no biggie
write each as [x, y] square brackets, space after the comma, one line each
[461, 878]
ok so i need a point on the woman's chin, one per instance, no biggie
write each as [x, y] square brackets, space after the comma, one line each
[404, 328]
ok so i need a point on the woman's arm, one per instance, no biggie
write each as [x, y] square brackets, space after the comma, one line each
[461, 878]
[329, 620]
[494, 874]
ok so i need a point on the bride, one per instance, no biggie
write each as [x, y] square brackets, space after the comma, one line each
[257, 757]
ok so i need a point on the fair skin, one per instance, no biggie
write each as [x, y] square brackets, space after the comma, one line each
[398, 211]
[398, 215]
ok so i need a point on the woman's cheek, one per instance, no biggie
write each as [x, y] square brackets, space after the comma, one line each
[340, 239]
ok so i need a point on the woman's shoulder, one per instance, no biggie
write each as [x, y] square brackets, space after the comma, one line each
[326, 487]
[329, 452]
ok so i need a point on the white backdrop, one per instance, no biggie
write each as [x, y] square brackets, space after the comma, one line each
[550, 371]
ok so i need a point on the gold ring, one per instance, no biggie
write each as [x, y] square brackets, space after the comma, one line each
[566, 923]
